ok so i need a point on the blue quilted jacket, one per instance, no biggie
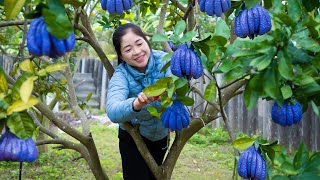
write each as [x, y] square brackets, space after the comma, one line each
[125, 85]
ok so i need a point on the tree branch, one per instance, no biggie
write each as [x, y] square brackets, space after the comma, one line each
[178, 5]
[13, 23]
[143, 149]
[73, 98]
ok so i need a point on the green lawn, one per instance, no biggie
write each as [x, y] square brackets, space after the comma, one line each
[206, 156]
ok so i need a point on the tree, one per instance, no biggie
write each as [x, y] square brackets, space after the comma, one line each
[282, 64]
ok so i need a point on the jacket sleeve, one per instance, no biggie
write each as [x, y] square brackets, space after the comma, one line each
[119, 107]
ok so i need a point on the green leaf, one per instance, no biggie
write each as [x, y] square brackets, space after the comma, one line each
[2, 123]
[15, 94]
[234, 74]
[3, 81]
[165, 66]
[89, 96]
[286, 91]
[13, 7]
[154, 90]
[301, 157]
[57, 22]
[261, 62]
[153, 111]
[279, 177]
[181, 82]
[171, 91]
[286, 19]
[288, 168]
[270, 84]
[219, 40]
[314, 163]
[226, 65]
[160, 38]
[285, 67]
[27, 88]
[210, 92]
[181, 91]
[179, 27]
[164, 82]
[186, 100]
[19, 105]
[222, 29]
[298, 55]
[21, 124]
[252, 90]
[251, 3]
[270, 152]
[294, 10]
[315, 108]
[311, 4]
[242, 143]
[188, 36]
[309, 44]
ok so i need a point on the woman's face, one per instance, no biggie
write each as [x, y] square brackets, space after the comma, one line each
[135, 51]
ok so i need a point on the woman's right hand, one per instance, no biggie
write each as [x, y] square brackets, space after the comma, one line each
[142, 100]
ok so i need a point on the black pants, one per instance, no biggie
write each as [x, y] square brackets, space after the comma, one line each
[133, 165]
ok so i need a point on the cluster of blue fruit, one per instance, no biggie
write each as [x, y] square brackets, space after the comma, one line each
[253, 22]
[176, 116]
[116, 6]
[186, 63]
[41, 43]
[214, 7]
[252, 165]
[13, 148]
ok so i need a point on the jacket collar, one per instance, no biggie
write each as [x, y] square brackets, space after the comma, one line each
[138, 75]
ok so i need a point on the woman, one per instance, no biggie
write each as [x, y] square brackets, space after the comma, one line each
[127, 103]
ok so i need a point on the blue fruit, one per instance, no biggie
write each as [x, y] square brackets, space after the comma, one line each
[244, 23]
[202, 4]
[251, 21]
[225, 5]
[119, 6]
[46, 42]
[288, 114]
[217, 8]
[251, 164]
[126, 4]
[263, 27]
[70, 42]
[103, 4]
[31, 37]
[209, 7]
[59, 45]
[175, 116]
[13, 148]
[111, 6]
[256, 15]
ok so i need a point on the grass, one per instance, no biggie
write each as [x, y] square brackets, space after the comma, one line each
[207, 155]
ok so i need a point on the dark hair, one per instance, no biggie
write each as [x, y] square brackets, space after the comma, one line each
[120, 32]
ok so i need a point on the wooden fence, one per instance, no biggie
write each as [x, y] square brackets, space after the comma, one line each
[256, 121]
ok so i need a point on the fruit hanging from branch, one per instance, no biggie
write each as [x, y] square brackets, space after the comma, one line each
[288, 114]
[116, 6]
[176, 116]
[186, 63]
[251, 164]
[41, 43]
[252, 22]
[214, 7]
[13, 148]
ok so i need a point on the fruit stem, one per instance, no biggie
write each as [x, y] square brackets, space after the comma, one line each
[20, 171]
